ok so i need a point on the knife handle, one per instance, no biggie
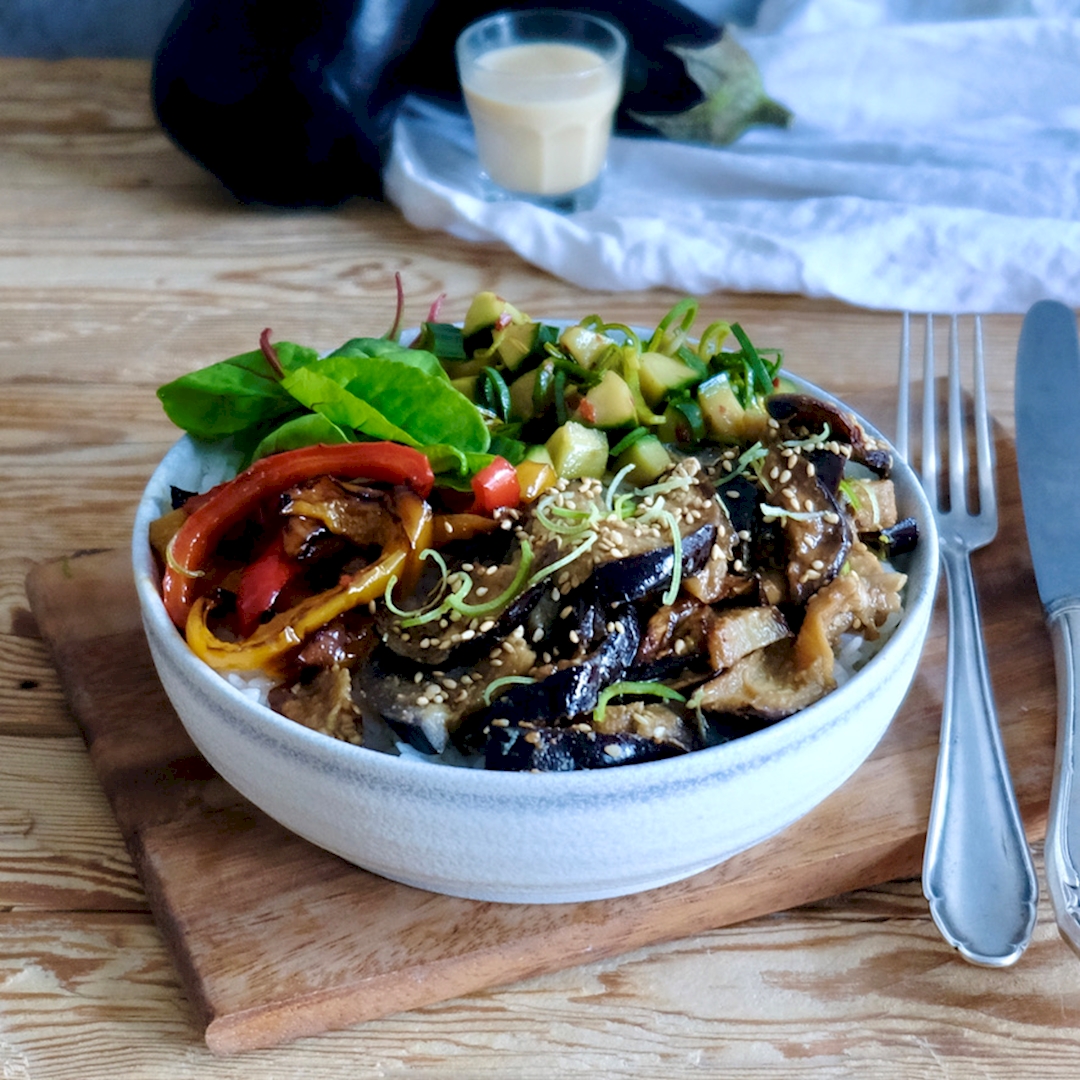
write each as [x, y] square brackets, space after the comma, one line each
[1063, 827]
[978, 874]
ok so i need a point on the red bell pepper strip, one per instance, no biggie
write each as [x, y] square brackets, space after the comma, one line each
[495, 486]
[230, 503]
[262, 582]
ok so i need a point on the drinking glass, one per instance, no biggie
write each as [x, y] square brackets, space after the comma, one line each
[541, 87]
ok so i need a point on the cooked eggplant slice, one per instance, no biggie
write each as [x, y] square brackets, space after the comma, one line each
[805, 415]
[817, 533]
[323, 703]
[737, 632]
[679, 630]
[573, 687]
[524, 747]
[633, 578]
[899, 539]
[766, 685]
[639, 537]
[459, 638]
[461, 642]
[651, 720]
[425, 706]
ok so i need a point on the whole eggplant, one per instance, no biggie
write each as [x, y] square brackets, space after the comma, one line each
[293, 105]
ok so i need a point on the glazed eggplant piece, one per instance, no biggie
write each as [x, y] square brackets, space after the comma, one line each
[573, 686]
[817, 532]
[629, 732]
[765, 686]
[634, 557]
[524, 747]
[638, 576]
[425, 706]
[804, 415]
[456, 640]
[898, 539]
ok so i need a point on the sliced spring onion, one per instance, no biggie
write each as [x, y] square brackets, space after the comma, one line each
[684, 312]
[760, 376]
[676, 556]
[613, 487]
[494, 394]
[628, 440]
[506, 680]
[715, 335]
[771, 512]
[847, 489]
[812, 442]
[508, 594]
[649, 689]
[748, 459]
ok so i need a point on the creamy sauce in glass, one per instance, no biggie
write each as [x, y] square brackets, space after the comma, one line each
[542, 113]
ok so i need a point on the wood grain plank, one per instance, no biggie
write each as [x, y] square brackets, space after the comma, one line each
[60, 848]
[853, 987]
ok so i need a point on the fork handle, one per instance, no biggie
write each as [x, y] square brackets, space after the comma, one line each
[978, 873]
[1063, 826]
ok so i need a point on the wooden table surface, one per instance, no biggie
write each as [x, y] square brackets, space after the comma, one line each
[121, 265]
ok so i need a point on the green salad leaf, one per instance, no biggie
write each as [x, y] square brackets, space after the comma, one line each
[307, 429]
[285, 396]
[233, 395]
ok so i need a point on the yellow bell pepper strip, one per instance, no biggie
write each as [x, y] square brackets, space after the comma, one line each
[534, 478]
[216, 512]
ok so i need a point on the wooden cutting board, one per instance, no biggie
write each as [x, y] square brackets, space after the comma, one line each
[275, 939]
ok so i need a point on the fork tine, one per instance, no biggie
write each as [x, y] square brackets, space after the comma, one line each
[958, 497]
[928, 457]
[903, 397]
[984, 443]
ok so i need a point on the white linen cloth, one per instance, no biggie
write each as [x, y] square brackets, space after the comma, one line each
[933, 165]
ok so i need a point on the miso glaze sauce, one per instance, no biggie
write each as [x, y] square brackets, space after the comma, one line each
[542, 114]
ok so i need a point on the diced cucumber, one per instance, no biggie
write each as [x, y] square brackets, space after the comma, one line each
[486, 310]
[540, 453]
[683, 423]
[532, 393]
[516, 342]
[662, 376]
[578, 451]
[648, 458]
[584, 345]
[725, 419]
[720, 408]
[609, 404]
[466, 385]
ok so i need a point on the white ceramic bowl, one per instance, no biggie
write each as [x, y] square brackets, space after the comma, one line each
[525, 837]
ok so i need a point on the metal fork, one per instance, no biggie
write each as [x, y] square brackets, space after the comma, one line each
[977, 870]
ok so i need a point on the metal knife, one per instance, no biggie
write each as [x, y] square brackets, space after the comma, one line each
[1047, 428]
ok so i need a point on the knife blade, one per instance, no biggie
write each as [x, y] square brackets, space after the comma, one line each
[1047, 430]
